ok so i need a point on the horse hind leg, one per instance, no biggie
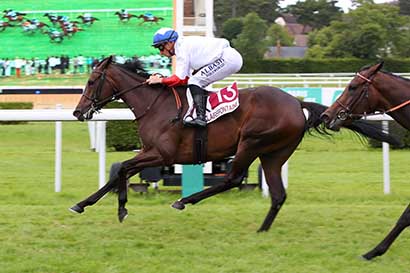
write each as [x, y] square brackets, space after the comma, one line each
[384, 245]
[233, 179]
[272, 170]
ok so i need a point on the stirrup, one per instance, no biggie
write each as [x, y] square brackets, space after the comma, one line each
[195, 123]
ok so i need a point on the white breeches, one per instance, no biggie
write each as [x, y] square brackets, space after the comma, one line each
[229, 63]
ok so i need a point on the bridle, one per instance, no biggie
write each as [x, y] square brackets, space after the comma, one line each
[346, 111]
[96, 102]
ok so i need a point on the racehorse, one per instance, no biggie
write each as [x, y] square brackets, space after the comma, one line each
[371, 91]
[125, 17]
[269, 124]
[4, 25]
[55, 35]
[53, 18]
[87, 20]
[31, 28]
[70, 31]
[19, 18]
[150, 19]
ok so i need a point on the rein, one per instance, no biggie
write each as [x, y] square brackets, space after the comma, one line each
[97, 104]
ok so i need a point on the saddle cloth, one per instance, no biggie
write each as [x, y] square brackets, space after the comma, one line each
[219, 103]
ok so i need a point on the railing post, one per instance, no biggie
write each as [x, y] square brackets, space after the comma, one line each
[58, 153]
[386, 160]
[101, 153]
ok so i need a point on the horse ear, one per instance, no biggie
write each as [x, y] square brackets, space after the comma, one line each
[379, 66]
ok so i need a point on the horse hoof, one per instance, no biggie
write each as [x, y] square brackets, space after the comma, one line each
[366, 257]
[178, 205]
[122, 215]
[76, 209]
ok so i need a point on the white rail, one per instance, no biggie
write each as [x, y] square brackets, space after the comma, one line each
[59, 115]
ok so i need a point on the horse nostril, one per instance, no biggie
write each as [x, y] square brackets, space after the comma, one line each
[324, 117]
[78, 115]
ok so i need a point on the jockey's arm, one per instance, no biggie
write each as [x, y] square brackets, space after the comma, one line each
[171, 81]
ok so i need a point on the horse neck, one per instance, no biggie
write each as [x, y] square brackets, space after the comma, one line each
[143, 100]
[394, 91]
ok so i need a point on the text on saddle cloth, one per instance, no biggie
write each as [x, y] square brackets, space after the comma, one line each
[219, 103]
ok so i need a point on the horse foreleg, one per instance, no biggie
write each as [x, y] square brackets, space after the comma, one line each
[233, 179]
[383, 246]
[130, 168]
[92, 199]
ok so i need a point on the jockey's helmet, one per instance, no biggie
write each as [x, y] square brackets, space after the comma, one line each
[164, 35]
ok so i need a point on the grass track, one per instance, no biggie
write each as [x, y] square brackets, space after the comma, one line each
[335, 211]
[105, 37]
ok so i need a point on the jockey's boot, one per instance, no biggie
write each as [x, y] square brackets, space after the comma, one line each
[199, 96]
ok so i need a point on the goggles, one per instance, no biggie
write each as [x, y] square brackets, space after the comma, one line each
[160, 47]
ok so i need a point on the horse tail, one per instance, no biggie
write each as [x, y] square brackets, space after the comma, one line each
[361, 127]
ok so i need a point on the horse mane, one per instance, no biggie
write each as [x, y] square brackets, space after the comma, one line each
[385, 72]
[395, 75]
[136, 67]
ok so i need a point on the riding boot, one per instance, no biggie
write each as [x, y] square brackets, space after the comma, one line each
[199, 96]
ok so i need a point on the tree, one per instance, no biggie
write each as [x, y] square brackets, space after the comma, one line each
[251, 42]
[370, 31]
[225, 9]
[231, 28]
[316, 13]
[277, 33]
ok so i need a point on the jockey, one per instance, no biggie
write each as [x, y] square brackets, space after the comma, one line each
[35, 21]
[149, 15]
[200, 61]
[53, 16]
[11, 13]
[124, 13]
[65, 19]
[87, 16]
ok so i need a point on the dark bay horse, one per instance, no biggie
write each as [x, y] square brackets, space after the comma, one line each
[370, 91]
[149, 19]
[87, 20]
[53, 18]
[269, 124]
[125, 17]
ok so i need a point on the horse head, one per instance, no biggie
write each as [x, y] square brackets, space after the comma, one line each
[355, 101]
[97, 93]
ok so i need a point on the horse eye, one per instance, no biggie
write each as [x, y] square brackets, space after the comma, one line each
[90, 82]
[352, 88]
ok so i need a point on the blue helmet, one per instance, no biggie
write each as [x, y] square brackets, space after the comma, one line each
[164, 35]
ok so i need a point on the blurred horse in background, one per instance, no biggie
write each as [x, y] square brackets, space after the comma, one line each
[374, 91]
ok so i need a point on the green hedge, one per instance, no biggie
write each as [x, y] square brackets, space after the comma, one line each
[122, 135]
[320, 65]
[15, 105]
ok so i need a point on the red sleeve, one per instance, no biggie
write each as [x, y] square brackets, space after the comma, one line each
[174, 81]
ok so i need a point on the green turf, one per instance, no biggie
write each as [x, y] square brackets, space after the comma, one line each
[105, 37]
[335, 211]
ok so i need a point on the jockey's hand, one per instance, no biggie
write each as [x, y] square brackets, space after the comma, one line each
[154, 79]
